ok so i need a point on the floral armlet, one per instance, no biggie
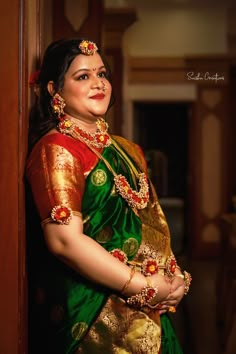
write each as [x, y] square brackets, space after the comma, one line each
[61, 214]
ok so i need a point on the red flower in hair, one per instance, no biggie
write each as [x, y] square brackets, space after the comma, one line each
[34, 78]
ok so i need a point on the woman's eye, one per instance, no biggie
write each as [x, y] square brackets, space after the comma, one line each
[102, 74]
[82, 77]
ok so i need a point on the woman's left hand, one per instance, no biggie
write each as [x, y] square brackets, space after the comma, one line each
[174, 297]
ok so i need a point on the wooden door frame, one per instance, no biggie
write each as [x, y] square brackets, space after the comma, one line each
[13, 66]
[22, 151]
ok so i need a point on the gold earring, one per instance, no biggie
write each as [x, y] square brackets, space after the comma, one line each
[58, 104]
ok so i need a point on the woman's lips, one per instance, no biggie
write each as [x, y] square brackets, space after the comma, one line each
[98, 96]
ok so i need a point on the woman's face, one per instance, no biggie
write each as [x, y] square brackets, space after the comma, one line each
[86, 90]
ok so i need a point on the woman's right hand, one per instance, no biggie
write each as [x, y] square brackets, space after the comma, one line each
[163, 284]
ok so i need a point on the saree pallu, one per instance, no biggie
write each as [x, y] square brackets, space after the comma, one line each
[72, 313]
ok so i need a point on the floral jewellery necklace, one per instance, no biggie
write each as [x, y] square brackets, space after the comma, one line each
[101, 139]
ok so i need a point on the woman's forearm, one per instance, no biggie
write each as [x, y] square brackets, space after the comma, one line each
[91, 260]
[88, 258]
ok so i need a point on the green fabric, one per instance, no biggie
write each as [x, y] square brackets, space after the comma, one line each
[107, 210]
[109, 216]
[169, 341]
[111, 223]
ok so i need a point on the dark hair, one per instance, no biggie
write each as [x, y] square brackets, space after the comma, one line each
[56, 62]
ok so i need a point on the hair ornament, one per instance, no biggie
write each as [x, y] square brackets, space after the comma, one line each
[34, 78]
[34, 82]
[88, 47]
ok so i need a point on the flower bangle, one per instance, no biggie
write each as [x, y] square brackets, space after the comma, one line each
[149, 266]
[171, 266]
[120, 255]
[187, 281]
[61, 214]
[143, 298]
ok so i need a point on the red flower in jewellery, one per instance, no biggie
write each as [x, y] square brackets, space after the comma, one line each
[149, 267]
[150, 294]
[99, 139]
[117, 253]
[170, 266]
[102, 138]
[88, 47]
[135, 199]
[65, 123]
[143, 298]
[61, 214]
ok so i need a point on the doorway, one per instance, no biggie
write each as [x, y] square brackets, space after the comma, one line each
[162, 130]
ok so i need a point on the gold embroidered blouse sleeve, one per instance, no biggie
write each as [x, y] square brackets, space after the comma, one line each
[56, 178]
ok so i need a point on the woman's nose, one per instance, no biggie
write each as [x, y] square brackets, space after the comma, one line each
[99, 83]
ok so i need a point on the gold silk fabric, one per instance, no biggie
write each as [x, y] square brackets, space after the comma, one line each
[56, 175]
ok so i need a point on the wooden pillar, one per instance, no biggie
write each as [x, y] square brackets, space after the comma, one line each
[116, 22]
[12, 146]
[77, 19]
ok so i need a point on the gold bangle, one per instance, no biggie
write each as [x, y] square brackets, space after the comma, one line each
[180, 275]
[149, 282]
[132, 272]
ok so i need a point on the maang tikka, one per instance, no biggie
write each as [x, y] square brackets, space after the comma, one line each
[58, 104]
[88, 47]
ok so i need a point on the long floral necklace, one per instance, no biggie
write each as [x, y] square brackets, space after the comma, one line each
[101, 139]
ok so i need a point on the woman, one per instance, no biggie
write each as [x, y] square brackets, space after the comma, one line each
[103, 276]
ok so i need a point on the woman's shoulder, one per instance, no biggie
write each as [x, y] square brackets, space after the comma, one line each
[55, 139]
[57, 147]
[48, 148]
